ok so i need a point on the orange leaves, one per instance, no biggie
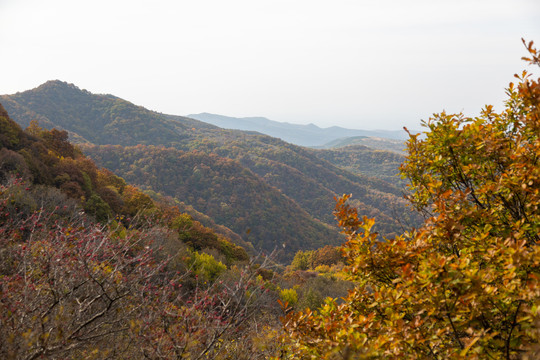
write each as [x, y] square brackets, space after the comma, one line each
[466, 284]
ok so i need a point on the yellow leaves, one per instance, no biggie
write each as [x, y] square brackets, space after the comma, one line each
[102, 268]
[463, 262]
[466, 284]
[490, 290]
[469, 346]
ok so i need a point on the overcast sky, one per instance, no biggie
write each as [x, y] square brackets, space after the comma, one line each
[360, 64]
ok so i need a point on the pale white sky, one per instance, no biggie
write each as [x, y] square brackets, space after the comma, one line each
[354, 63]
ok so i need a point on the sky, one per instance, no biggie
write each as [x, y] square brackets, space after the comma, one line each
[354, 63]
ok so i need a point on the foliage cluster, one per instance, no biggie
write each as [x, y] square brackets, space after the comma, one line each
[466, 283]
[312, 276]
[312, 259]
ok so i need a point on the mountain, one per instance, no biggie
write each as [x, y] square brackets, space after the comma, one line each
[276, 177]
[377, 143]
[304, 135]
[97, 119]
[363, 160]
[221, 189]
[58, 178]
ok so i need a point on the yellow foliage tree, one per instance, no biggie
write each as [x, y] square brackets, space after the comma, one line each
[465, 284]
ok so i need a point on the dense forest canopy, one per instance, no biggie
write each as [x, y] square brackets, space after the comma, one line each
[280, 183]
[223, 190]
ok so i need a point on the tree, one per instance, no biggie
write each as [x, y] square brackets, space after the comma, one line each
[466, 283]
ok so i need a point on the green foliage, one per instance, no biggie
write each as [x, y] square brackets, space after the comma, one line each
[136, 202]
[9, 133]
[205, 266]
[311, 259]
[98, 208]
[223, 190]
[199, 237]
[275, 182]
[302, 260]
[182, 223]
[368, 143]
[358, 159]
[289, 296]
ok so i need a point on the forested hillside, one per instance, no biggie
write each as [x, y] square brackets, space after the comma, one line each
[360, 159]
[65, 180]
[378, 143]
[92, 268]
[222, 189]
[301, 179]
[101, 119]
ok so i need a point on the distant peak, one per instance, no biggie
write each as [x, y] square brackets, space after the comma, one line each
[58, 83]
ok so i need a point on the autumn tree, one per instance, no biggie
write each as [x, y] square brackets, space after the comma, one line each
[466, 283]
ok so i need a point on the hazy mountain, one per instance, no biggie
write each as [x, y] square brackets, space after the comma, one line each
[397, 146]
[304, 135]
[280, 177]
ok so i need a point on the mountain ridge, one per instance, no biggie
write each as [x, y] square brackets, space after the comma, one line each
[297, 174]
[304, 135]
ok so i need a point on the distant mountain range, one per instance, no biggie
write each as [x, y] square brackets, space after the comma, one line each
[377, 143]
[304, 135]
[270, 193]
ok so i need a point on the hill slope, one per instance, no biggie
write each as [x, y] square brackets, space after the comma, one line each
[57, 177]
[222, 189]
[378, 143]
[299, 175]
[361, 159]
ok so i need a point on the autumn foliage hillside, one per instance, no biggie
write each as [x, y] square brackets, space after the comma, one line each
[300, 179]
[61, 174]
[93, 268]
[222, 189]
